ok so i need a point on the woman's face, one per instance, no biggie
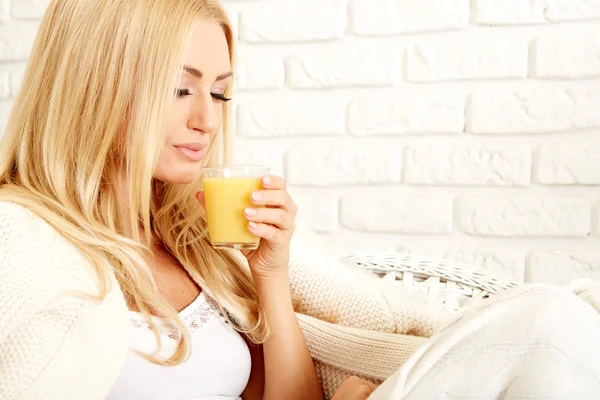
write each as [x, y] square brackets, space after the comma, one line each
[197, 111]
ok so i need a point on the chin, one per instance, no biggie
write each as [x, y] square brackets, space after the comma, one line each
[180, 175]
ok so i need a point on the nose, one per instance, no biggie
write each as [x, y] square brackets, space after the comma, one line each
[203, 116]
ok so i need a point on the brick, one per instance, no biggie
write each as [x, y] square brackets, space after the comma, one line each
[260, 155]
[524, 216]
[4, 11]
[535, 110]
[29, 9]
[572, 56]
[289, 115]
[597, 218]
[16, 79]
[343, 165]
[447, 164]
[11, 76]
[397, 214]
[341, 246]
[4, 84]
[406, 113]
[339, 65]
[569, 163]
[391, 17]
[463, 60]
[318, 210]
[562, 266]
[256, 70]
[505, 262]
[16, 40]
[516, 12]
[234, 16]
[5, 108]
[293, 21]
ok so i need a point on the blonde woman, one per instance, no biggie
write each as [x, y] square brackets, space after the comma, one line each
[108, 285]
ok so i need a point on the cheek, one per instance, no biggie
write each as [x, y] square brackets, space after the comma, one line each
[176, 122]
[219, 111]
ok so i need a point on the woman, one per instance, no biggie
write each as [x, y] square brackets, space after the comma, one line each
[108, 285]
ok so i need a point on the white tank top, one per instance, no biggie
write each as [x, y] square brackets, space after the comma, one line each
[217, 369]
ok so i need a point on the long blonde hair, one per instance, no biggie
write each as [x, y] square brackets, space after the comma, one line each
[91, 110]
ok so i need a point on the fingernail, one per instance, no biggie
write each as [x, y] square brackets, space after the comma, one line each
[252, 225]
[256, 196]
[251, 212]
[266, 180]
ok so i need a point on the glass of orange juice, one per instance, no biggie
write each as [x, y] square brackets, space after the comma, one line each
[227, 190]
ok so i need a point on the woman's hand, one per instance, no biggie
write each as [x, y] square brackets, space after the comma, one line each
[272, 221]
[354, 388]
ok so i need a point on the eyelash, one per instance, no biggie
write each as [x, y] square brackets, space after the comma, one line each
[185, 92]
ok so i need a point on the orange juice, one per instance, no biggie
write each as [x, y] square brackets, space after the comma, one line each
[225, 200]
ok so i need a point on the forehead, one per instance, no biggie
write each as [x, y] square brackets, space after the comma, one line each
[208, 50]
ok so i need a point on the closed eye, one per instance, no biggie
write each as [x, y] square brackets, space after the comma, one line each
[186, 92]
[219, 96]
[183, 92]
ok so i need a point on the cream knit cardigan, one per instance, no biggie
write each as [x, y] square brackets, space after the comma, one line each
[58, 346]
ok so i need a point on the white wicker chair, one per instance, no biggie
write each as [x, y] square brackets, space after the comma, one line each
[450, 285]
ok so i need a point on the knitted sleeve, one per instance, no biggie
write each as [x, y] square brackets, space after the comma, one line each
[372, 354]
[54, 344]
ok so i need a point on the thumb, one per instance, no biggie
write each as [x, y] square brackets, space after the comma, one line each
[200, 198]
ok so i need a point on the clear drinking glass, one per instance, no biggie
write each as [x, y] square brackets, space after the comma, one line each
[227, 190]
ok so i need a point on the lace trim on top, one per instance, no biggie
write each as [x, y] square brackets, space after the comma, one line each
[195, 316]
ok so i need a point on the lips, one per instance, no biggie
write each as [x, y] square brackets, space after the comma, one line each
[192, 151]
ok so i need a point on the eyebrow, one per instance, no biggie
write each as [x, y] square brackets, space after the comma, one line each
[194, 72]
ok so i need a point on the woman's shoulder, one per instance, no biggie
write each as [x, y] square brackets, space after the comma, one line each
[13, 215]
[34, 256]
[19, 223]
[39, 267]
[28, 239]
[20, 231]
[49, 328]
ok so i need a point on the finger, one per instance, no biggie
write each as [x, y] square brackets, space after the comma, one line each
[273, 216]
[273, 198]
[271, 182]
[364, 392]
[200, 198]
[267, 232]
[246, 253]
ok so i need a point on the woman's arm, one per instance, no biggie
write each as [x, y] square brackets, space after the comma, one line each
[282, 367]
[256, 384]
[289, 369]
[289, 372]
[54, 344]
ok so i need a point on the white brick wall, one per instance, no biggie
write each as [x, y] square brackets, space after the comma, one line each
[575, 163]
[392, 17]
[541, 216]
[28, 9]
[284, 115]
[4, 11]
[455, 60]
[333, 65]
[568, 57]
[536, 110]
[405, 112]
[516, 12]
[561, 266]
[344, 166]
[397, 213]
[294, 21]
[472, 164]
[467, 129]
